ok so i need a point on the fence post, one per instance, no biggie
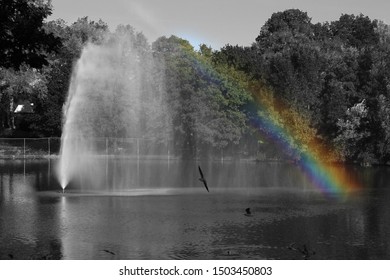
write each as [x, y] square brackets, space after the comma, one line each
[137, 148]
[48, 144]
[106, 160]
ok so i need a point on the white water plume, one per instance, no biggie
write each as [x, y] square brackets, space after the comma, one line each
[117, 92]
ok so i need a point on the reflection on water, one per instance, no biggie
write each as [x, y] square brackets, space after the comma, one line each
[154, 210]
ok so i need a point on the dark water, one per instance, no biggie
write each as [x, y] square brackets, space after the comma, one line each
[154, 209]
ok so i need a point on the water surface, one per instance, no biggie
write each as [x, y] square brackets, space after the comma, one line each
[155, 209]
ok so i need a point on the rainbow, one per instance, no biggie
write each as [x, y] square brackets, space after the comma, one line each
[312, 157]
[291, 132]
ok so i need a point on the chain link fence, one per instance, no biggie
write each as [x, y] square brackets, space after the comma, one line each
[17, 148]
[126, 147]
[29, 148]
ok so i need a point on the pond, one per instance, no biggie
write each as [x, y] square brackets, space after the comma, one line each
[158, 209]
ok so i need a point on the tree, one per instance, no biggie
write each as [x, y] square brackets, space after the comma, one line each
[205, 98]
[181, 80]
[291, 60]
[293, 22]
[25, 47]
[83, 31]
[384, 141]
[48, 121]
[339, 87]
[27, 84]
[23, 39]
[245, 59]
[353, 134]
[355, 31]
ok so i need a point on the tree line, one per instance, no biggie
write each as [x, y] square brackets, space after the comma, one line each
[324, 82]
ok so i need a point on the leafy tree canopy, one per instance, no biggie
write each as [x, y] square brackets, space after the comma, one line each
[22, 36]
[356, 31]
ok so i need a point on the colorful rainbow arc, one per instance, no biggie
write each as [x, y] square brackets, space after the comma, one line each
[331, 180]
[313, 159]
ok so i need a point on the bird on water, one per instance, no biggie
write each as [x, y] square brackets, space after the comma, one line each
[304, 251]
[202, 179]
[248, 212]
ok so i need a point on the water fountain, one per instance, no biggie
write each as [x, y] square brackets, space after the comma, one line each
[116, 92]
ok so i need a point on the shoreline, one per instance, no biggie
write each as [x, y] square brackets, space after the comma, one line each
[176, 158]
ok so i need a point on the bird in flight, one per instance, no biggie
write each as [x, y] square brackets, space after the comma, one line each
[202, 179]
[108, 251]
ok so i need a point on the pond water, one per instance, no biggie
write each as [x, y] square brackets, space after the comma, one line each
[158, 209]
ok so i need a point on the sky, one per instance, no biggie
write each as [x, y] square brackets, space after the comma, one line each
[212, 22]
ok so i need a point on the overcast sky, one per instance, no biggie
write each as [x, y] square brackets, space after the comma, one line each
[213, 22]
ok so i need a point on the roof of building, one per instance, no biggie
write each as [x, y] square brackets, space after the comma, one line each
[24, 108]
